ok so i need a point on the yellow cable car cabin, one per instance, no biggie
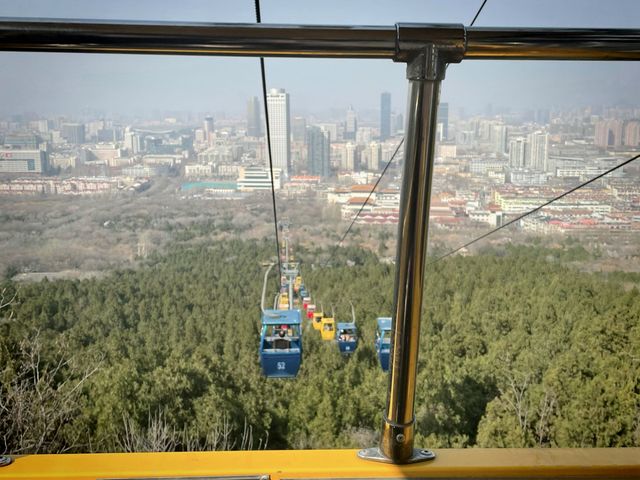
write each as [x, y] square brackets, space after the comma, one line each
[328, 330]
[316, 321]
[283, 302]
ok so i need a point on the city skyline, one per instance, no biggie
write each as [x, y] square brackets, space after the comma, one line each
[134, 84]
[488, 169]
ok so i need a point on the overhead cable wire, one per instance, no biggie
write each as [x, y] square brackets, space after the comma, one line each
[353, 221]
[546, 204]
[266, 116]
[478, 13]
[386, 167]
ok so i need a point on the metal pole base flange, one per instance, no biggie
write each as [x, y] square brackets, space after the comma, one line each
[374, 454]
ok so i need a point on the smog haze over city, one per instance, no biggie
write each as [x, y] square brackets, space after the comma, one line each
[71, 83]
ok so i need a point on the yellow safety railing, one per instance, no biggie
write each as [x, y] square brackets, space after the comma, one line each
[596, 463]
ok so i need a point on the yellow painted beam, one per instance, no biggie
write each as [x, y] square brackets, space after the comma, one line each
[294, 464]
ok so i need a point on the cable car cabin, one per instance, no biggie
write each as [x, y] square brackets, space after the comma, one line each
[283, 302]
[347, 336]
[280, 343]
[290, 270]
[383, 341]
[316, 320]
[311, 308]
[328, 330]
[305, 302]
[303, 291]
[297, 284]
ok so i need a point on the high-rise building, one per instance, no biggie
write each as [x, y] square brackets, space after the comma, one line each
[499, 138]
[208, 128]
[132, 141]
[330, 129]
[609, 133]
[385, 116]
[42, 126]
[318, 151]
[351, 157]
[443, 120]
[280, 127]
[397, 124]
[538, 151]
[254, 126]
[73, 133]
[518, 152]
[632, 134]
[299, 129]
[351, 125]
[364, 135]
[375, 156]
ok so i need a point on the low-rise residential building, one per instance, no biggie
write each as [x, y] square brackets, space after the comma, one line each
[258, 178]
[198, 171]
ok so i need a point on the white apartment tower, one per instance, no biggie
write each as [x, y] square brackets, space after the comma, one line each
[375, 156]
[280, 126]
[518, 152]
[499, 135]
[539, 142]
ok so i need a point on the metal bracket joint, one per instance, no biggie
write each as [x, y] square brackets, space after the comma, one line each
[427, 49]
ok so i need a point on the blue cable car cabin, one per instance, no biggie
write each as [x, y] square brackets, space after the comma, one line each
[347, 336]
[280, 343]
[383, 341]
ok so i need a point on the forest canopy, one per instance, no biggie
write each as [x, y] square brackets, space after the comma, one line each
[517, 350]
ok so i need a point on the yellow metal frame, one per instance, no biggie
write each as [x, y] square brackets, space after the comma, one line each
[297, 464]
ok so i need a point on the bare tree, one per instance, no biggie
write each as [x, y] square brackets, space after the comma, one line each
[546, 410]
[157, 437]
[160, 436]
[7, 300]
[35, 404]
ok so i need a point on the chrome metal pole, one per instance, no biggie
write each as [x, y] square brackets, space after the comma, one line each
[189, 38]
[397, 435]
[552, 43]
[314, 41]
[396, 444]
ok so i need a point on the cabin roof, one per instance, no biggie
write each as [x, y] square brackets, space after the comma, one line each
[277, 317]
[384, 323]
[345, 325]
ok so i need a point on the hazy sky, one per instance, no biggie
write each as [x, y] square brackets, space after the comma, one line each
[68, 83]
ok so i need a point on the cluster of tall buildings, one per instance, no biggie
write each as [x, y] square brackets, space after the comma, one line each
[530, 152]
[346, 144]
[615, 132]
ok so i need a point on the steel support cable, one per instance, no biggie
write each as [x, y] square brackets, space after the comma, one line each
[353, 221]
[266, 117]
[478, 13]
[386, 167]
[546, 204]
